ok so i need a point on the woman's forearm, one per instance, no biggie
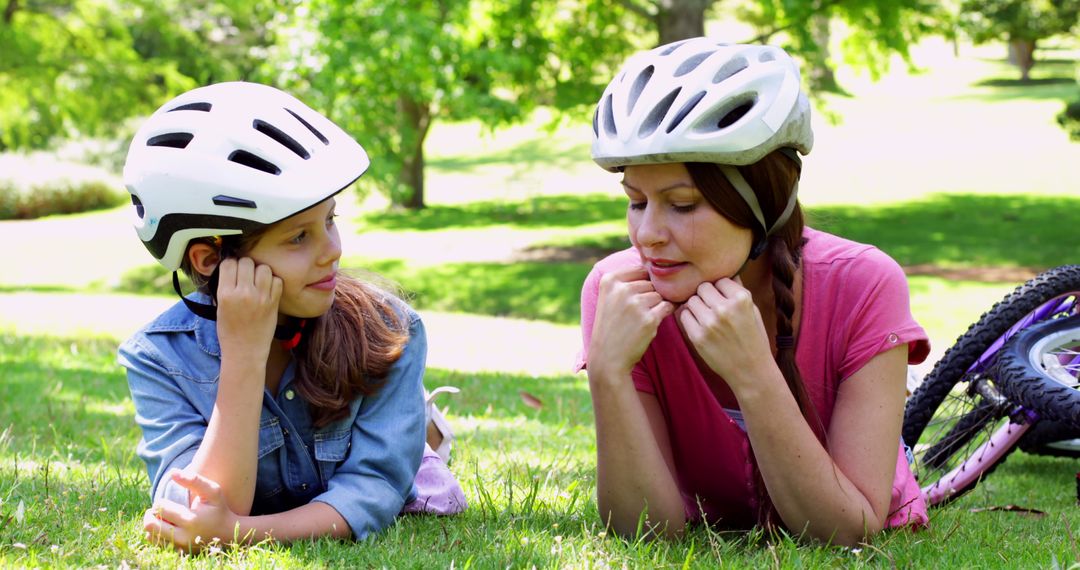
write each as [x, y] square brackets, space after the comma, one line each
[632, 474]
[810, 492]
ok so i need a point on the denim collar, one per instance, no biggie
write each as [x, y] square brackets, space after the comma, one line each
[180, 319]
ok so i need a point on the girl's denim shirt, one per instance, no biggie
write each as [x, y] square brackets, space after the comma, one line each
[362, 465]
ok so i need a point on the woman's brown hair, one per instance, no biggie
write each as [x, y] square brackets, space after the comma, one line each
[346, 352]
[772, 178]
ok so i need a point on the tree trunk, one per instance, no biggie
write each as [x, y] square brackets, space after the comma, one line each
[1022, 55]
[412, 164]
[822, 77]
[9, 10]
[681, 19]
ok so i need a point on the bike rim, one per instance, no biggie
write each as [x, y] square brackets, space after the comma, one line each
[1057, 357]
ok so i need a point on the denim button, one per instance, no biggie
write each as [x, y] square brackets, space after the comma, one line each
[289, 394]
[303, 486]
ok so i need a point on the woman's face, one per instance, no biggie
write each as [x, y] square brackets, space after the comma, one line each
[682, 240]
[303, 250]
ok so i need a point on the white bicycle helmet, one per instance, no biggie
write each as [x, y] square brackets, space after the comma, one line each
[700, 100]
[231, 157]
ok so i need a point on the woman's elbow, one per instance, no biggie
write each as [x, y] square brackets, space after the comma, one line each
[642, 525]
[851, 534]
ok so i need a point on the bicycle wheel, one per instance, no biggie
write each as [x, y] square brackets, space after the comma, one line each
[1039, 369]
[1031, 302]
[958, 422]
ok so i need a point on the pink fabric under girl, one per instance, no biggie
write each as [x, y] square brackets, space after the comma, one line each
[855, 306]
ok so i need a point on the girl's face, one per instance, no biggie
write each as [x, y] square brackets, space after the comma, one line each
[682, 240]
[303, 250]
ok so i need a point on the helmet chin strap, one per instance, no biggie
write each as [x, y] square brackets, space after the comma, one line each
[743, 188]
[288, 332]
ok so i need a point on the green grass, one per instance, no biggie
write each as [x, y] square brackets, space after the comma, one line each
[67, 459]
[563, 211]
[72, 491]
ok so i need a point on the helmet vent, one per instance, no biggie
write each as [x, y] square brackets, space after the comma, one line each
[139, 209]
[734, 115]
[692, 63]
[201, 106]
[686, 108]
[250, 160]
[172, 140]
[656, 116]
[223, 200]
[767, 56]
[609, 118]
[313, 130]
[639, 86]
[282, 138]
[730, 68]
[672, 47]
[596, 121]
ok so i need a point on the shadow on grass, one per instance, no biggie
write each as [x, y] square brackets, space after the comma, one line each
[1036, 232]
[528, 290]
[1034, 82]
[65, 395]
[540, 211]
[534, 153]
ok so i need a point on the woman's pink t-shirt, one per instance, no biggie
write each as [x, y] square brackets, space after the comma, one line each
[855, 306]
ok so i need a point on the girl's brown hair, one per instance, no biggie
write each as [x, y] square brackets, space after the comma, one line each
[772, 178]
[346, 352]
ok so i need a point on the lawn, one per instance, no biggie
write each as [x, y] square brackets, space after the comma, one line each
[71, 489]
[515, 222]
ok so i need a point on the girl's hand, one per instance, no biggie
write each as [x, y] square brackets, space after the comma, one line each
[725, 327]
[190, 529]
[247, 299]
[628, 314]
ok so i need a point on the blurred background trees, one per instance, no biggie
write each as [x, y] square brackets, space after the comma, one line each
[1019, 23]
[388, 70]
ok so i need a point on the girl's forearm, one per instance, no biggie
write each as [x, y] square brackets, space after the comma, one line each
[228, 453]
[310, 521]
[632, 474]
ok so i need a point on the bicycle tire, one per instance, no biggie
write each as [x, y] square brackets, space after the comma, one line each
[1024, 375]
[980, 336]
[954, 456]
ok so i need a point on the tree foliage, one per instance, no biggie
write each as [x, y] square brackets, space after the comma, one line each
[82, 67]
[386, 71]
[876, 29]
[987, 20]
[1020, 23]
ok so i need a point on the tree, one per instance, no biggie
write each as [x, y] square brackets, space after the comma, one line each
[672, 19]
[83, 67]
[877, 29]
[386, 71]
[1020, 23]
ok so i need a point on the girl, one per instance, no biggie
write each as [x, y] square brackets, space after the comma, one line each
[284, 399]
[744, 369]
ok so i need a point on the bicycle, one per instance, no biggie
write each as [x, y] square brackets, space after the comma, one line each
[1009, 381]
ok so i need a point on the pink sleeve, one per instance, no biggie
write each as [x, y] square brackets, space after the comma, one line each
[590, 290]
[881, 314]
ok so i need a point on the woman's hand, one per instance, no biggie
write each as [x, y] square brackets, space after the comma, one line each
[726, 329]
[247, 300]
[628, 314]
[190, 529]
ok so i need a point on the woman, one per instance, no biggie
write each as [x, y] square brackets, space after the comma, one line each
[284, 399]
[744, 369]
